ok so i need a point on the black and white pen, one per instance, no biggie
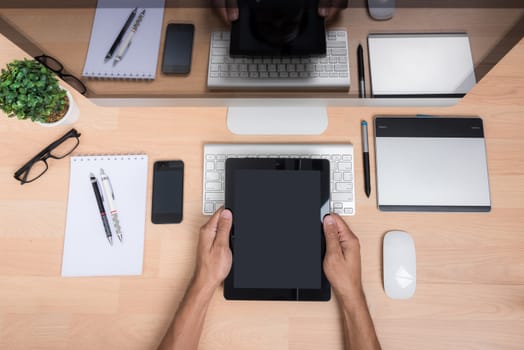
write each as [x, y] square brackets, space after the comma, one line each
[129, 36]
[120, 35]
[100, 203]
[110, 198]
[365, 156]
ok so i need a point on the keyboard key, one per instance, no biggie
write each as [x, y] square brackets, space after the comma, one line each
[219, 51]
[341, 68]
[216, 196]
[337, 205]
[341, 196]
[344, 186]
[339, 52]
[348, 211]
[213, 186]
[214, 68]
[210, 165]
[337, 176]
[220, 165]
[343, 166]
[347, 176]
[212, 176]
[221, 43]
[209, 208]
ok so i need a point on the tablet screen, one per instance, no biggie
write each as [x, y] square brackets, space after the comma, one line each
[277, 238]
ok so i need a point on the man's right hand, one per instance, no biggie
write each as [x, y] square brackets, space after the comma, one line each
[226, 9]
[342, 260]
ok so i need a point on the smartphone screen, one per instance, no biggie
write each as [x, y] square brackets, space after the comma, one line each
[178, 48]
[168, 192]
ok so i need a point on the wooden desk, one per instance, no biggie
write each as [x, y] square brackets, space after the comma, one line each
[470, 292]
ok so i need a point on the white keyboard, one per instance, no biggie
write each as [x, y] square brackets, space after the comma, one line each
[342, 200]
[329, 72]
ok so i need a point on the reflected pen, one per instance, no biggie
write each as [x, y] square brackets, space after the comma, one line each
[361, 79]
[100, 203]
[129, 36]
[120, 35]
[110, 198]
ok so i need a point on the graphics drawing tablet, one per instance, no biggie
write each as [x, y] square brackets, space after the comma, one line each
[277, 238]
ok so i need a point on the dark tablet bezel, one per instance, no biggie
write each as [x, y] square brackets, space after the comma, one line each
[287, 164]
[311, 41]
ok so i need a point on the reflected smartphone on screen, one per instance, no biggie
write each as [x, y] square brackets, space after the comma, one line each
[168, 192]
[178, 48]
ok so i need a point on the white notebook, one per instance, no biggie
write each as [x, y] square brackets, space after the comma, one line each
[87, 251]
[140, 60]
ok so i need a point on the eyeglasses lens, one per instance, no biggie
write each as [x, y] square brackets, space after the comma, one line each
[36, 170]
[74, 82]
[64, 148]
[51, 63]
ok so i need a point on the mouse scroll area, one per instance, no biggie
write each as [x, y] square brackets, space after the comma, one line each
[400, 265]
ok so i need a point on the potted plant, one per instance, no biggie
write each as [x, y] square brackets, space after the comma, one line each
[29, 90]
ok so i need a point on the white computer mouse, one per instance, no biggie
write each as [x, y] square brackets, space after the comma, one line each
[400, 265]
[381, 9]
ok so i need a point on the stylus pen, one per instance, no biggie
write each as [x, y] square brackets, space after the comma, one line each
[120, 35]
[365, 154]
[361, 81]
[101, 209]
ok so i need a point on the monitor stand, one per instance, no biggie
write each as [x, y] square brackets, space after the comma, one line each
[277, 120]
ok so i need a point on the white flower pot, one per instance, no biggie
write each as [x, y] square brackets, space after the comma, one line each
[70, 117]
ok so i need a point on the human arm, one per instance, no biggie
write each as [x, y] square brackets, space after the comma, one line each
[329, 9]
[343, 270]
[228, 9]
[213, 263]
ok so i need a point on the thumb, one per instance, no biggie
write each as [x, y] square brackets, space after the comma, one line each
[224, 228]
[331, 233]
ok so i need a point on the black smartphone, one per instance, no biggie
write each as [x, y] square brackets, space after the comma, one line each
[168, 192]
[178, 48]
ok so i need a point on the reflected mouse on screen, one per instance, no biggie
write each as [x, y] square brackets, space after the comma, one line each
[400, 265]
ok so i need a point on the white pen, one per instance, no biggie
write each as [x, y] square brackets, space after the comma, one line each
[129, 36]
[109, 195]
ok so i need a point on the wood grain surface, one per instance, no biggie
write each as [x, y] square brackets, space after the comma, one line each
[470, 292]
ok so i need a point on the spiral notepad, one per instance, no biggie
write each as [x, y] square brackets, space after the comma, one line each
[141, 57]
[87, 251]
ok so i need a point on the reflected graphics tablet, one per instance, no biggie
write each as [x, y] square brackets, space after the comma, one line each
[277, 239]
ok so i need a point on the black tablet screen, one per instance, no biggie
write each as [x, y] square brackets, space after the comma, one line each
[277, 240]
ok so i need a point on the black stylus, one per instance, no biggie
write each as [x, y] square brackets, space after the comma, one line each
[365, 154]
[120, 35]
[361, 81]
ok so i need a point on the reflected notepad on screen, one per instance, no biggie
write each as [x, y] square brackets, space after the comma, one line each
[140, 60]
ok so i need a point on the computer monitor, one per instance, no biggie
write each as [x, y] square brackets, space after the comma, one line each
[307, 114]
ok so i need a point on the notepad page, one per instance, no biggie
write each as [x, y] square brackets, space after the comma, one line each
[140, 60]
[87, 251]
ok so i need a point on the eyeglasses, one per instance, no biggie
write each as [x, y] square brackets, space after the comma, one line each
[59, 149]
[58, 69]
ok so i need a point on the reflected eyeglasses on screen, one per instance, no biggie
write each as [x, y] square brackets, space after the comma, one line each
[59, 149]
[54, 65]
